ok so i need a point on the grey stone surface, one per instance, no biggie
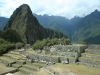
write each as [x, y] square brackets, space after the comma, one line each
[52, 72]
[91, 56]
[69, 48]
[90, 62]
[94, 46]
[72, 52]
[42, 57]
[93, 51]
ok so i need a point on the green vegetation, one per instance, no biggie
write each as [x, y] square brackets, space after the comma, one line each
[88, 29]
[5, 46]
[10, 35]
[3, 22]
[8, 38]
[81, 42]
[28, 27]
[48, 42]
[77, 69]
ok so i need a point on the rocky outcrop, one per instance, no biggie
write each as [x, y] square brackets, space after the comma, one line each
[25, 23]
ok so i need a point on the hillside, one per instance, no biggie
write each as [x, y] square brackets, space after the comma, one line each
[26, 24]
[88, 28]
[3, 22]
[57, 23]
[77, 29]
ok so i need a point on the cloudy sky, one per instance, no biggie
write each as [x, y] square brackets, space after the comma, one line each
[67, 8]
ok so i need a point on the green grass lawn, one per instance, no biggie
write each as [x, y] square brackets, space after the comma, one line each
[4, 69]
[7, 59]
[77, 69]
[19, 73]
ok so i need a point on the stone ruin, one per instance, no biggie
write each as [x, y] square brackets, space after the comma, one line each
[80, 54]
[91, 56]
[65, 54]
[58, 53]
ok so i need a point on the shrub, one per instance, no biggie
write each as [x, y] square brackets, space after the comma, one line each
[48, 42]
[5, 46]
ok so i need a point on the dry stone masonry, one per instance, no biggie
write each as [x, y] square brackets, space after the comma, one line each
[91, 57]
[29, 61]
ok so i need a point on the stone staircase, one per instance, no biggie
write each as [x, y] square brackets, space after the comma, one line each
[91, 57]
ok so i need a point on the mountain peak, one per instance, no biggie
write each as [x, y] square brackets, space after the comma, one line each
[28, 27]
[24, 7]
[96, 10]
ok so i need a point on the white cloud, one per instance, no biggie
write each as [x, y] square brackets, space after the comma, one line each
[67, 8]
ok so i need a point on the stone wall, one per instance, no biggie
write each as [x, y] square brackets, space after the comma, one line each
[69, 48]
[93, 51]
[90, 62]
[71, 52]
[11, 71]
[68, 54]
[94, 46]
[7, 63]
[91, 57]
[52, 72]
[42, 57]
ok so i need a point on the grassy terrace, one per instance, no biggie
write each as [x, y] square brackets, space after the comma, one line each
[35, 65]
[16, 65]
[21, 60]
[7, 59]
[26, 70]
[4, 69]
[31, 66]
[90, 59]
[38, 64]
[42, 72]
[77, 69]
[91, 54]
[15, 52]
[19, 73]
[12, 55]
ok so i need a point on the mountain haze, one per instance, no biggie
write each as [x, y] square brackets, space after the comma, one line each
[28, 27]
[57, 23]
[88, 28]
[3, 22]
[77, 29]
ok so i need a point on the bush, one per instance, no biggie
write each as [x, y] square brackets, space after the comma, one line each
[83, 42]
[5, 46]
[48, 42]
[10, 35]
